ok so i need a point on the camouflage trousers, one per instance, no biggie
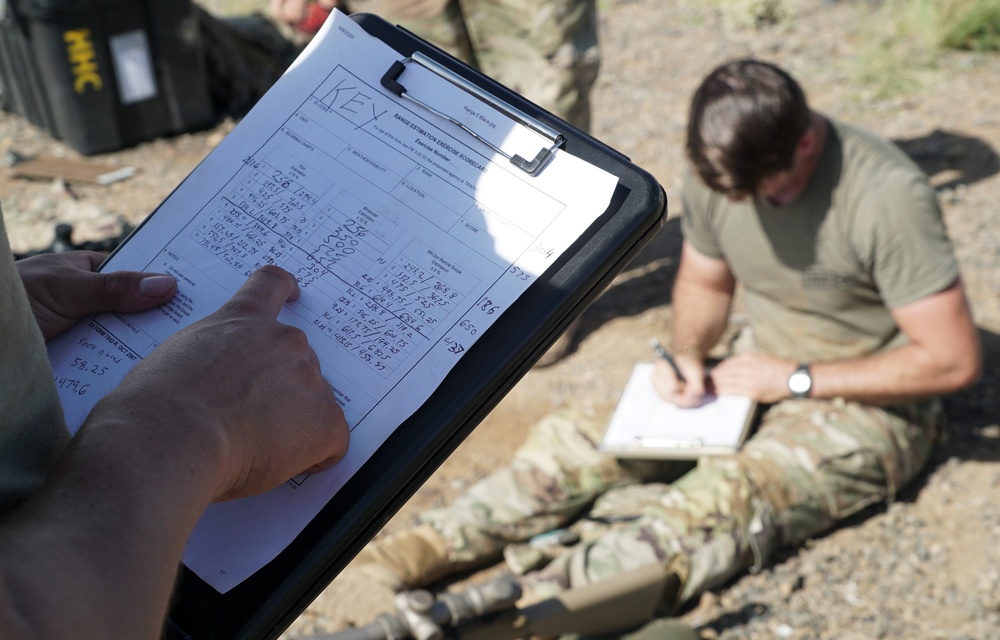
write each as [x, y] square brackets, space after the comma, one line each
[545, 50]
[809, 464]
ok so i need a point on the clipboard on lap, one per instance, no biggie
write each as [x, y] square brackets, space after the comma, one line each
[267, 602]
[645, 426]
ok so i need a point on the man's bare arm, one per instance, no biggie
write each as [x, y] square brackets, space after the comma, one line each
[702, 295]
[943, 355]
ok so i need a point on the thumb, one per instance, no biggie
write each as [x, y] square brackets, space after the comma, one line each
[63, 288]
[85, 290]
[125, 291]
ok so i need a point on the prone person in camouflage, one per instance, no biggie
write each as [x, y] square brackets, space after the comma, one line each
[545, 50]
[858, 322]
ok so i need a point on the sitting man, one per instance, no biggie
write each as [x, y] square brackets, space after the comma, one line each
[858, 321]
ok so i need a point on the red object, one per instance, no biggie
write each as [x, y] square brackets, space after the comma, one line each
[314, 19]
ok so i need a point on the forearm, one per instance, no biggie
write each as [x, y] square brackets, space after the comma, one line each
[702, 295]
[898, 375]
[943, 355]
[700, 317]
[97, 549]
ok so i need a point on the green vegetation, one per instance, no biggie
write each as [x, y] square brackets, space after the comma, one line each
[969, 24]
[949, 24]
[907, 36]
[754, 13]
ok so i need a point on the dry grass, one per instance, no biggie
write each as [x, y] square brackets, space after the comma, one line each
[969, 24]
[907, 36]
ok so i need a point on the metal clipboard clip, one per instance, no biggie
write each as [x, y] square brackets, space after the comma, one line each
[390, 81]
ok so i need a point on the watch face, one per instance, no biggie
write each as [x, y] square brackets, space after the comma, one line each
[799, 382]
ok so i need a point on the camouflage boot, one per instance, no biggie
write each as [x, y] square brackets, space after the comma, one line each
[409, 559]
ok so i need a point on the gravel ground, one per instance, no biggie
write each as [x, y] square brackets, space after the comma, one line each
[927, 566]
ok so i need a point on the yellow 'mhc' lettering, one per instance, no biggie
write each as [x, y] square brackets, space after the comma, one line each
[82, 60]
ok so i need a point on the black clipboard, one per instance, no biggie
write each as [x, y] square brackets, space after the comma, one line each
[270, 600]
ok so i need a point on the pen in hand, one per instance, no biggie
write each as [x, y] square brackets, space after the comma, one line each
[660, 351]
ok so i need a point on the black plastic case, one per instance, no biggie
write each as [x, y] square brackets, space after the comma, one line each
[104, 74]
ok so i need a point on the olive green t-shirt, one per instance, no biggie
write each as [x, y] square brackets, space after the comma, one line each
[32, 430]
[821, 274]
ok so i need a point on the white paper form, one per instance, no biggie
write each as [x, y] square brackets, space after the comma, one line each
[407, 236]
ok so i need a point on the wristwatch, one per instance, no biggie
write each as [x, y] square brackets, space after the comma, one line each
[800, 382]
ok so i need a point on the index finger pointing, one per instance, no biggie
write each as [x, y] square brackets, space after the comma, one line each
[266, 291]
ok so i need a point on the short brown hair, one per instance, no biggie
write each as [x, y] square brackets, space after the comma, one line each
[746, 118]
